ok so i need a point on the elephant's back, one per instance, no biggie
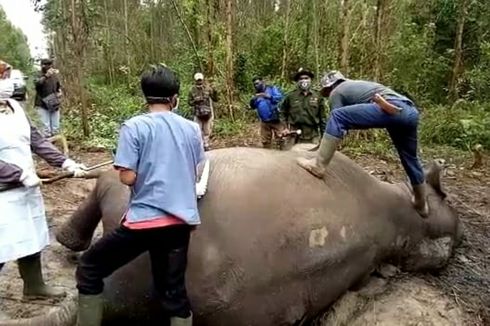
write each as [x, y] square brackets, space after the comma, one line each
[266, 221]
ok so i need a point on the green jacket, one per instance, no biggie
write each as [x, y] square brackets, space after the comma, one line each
[305, 112]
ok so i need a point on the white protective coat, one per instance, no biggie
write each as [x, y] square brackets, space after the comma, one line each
[23, 226]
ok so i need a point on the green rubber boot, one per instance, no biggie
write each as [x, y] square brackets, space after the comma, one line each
[420, 200]
[90, 309]
[177, 321]
[34, 286]
[317, 166]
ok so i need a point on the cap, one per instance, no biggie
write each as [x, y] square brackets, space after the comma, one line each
[198, 76]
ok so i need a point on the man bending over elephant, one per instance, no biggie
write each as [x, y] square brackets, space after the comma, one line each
[157, 156]
[360, 104]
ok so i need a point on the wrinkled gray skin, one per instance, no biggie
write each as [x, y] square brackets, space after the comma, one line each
[276, 245]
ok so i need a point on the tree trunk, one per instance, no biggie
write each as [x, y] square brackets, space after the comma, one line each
[458, 50]
[79, 46]
[285, 40]
[126, 41]
[345, 15]
[230, 88]
[378, 43]
[209, 32]
[108, 50]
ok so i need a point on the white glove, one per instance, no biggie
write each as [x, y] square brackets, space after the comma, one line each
[29, 179]
[201, 186]
[77, 169]
[200, 189]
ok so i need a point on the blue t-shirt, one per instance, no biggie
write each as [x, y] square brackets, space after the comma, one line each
[164, 150]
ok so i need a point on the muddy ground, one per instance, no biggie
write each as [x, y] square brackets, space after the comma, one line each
[457, 295]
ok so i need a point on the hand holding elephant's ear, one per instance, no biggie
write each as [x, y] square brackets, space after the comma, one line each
[433, 176]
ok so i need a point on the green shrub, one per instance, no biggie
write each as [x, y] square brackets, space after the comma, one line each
[462, 126]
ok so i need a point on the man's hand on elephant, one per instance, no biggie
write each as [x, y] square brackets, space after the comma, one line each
[77, 169]
[30, 179]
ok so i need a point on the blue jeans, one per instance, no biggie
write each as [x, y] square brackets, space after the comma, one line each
[402, 128]
[50, 121]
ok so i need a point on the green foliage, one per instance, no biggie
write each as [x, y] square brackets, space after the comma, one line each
[13, 45]
[462, 126]
[111, 106]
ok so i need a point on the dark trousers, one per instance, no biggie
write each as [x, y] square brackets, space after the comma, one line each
[168, 254]
[402, 128]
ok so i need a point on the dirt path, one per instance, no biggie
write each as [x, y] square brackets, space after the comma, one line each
[464, 286]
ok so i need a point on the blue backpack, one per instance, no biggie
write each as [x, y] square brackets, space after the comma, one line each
[265, 109]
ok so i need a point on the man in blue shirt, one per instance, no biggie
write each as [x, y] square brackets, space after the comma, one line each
[266, 101]
[157, 156]
[362, 104]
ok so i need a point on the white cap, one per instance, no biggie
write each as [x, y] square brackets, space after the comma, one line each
[198, 76]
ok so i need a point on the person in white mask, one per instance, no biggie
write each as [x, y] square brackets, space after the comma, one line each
[23, 226]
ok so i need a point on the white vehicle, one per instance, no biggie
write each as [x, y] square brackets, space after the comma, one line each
[19, 81]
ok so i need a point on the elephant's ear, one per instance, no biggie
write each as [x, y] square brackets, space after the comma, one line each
[433, 176]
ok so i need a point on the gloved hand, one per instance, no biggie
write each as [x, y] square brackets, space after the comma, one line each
[202, 185]
[30, 179]
[76, 168]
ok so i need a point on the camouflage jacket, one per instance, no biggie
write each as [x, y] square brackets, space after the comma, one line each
[305, 112]
[200, 94]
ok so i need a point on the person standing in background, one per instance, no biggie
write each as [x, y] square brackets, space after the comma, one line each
[200, 99]
[48, 97]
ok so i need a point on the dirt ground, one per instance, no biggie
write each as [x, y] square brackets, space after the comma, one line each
[457, 295]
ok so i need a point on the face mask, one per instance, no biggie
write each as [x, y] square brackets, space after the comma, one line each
[304, 84]
[6, 88]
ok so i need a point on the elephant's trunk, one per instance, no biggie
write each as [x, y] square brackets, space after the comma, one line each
[76, 233]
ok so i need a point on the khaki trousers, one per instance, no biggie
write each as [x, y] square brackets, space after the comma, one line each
[268, 130]
[206, 129]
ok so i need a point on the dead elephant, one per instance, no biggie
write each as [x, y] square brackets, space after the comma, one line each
[276, 245]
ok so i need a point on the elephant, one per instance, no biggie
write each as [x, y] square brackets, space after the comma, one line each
[276, 246]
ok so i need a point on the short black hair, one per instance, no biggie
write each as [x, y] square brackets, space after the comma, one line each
[256, 78]
[159, 84]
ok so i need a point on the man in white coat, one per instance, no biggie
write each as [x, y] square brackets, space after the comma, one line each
[23, 225]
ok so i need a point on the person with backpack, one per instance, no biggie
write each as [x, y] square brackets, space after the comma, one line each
[48, 97]
[200, 99]
[265, 102]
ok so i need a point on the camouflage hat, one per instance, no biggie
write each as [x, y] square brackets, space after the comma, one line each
[330, 78]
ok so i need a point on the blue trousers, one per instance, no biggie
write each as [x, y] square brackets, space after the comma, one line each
[402, 128]
[50, 121]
